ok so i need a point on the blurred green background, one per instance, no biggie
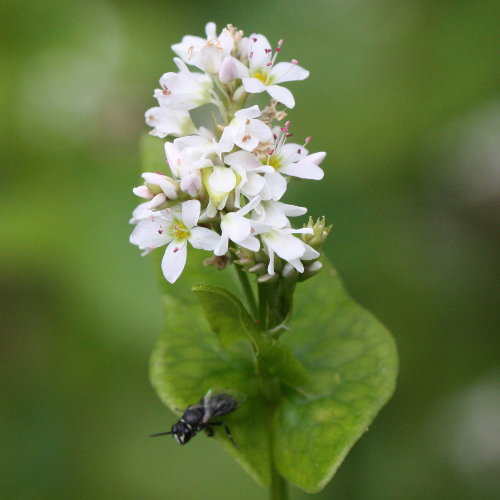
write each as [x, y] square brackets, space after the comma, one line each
[402, 96]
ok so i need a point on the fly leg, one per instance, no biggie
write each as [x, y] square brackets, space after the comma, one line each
[226, 428]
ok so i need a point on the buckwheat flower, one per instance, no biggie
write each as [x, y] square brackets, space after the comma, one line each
[263, 75]
[206, 54]
[185, 165]
[169, 122]
[276, 213]
[219, 182]
[157, 188]
[237, 228]
[292, 159]
[248, 169]
[245, 131]
[142, 211]
[200, 145]
[229, 70]
[174, 227]
[272, 184]
[280, 241]
[184, 90]
[303, 165]
[309, 254]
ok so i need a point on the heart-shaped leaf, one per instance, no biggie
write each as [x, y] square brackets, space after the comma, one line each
[352, 361]
[350, 357]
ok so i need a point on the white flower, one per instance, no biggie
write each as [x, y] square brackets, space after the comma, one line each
[263, 75]
[184, 90]
[292, 160]
[176, 227]
[248, 169]
[141, 212]
[169, 122]
[185, 164]
[206, 54]
[157, 188]
[236, 228]
[276, 213]
[219, 183]
[198, 146]
[245, 131]
[286, 246]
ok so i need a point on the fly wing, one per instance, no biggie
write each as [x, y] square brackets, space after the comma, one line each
[219, 404]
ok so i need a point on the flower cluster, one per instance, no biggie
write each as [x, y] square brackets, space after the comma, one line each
[225, 185]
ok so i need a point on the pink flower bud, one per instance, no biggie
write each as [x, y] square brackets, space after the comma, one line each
[228, 70]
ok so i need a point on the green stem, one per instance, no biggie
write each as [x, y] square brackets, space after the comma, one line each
[263, 305]
[278, 489]
[247, 290]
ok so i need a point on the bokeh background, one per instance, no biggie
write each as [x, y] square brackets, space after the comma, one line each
[402, 96]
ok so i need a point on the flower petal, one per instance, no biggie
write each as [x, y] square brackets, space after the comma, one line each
[286, 246]
[253, 185]
[190, 213]
[290, 210]
[282, 95]
[297, 264]
[237, 228]
[310, 253]
[149, 234]
[304, 170]
[259, 51]
[260, 130]
[226, 42]
[140, 212]
[251, 243]
[276, 184]
[223, 245]
[203, 238]
[228, 70]
[222, 179]
[251, 112]
[174, 260]
[287, 72]
[253, 85]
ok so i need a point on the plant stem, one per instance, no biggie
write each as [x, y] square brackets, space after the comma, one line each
[278, 489]
[247, 289]
[263, 305]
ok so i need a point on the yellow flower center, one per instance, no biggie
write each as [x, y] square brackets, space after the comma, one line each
[260, 75]
[180, 231]
[273, 161]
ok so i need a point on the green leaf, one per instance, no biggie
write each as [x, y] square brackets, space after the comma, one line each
[230, 320]
[224, 312]
[350, 357]
[352, 361]
[189, 360]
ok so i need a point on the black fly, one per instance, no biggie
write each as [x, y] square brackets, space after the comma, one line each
[197, 417]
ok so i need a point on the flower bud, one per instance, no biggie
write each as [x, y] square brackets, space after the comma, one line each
[268, 278]
[159, 183]
[228, 70]
[311, 270]
[288, 271]
[320, 233]
[258, 269]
